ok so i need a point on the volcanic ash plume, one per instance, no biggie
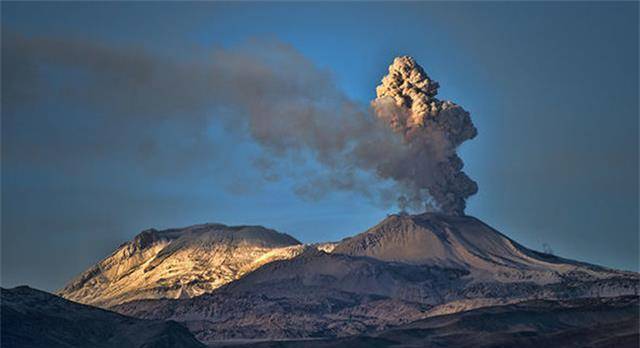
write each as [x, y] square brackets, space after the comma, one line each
[402, 149]
[432, 130]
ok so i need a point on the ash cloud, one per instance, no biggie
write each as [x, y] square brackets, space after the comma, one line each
[400, 149]
[432, 130]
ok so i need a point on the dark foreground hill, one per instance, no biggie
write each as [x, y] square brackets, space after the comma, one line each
[36, 319]
[595, 323]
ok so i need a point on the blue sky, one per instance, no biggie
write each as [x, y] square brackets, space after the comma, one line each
[551, 87]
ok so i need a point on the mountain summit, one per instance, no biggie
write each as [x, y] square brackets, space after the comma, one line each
[178, 263]
[463, 242]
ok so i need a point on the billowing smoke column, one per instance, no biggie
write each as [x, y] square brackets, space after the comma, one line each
[432, 130]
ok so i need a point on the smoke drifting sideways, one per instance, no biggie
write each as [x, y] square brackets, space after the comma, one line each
[400, 150]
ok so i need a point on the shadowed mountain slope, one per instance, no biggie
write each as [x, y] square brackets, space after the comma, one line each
[595, 323]
[36, 319]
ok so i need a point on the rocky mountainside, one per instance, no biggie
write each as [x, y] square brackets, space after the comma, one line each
[464, 242]
[36, 319]
[315, 294]
[595, 323]
[406, 268]
[179, 263]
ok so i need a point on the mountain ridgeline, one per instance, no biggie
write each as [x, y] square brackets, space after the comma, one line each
[254, 283]
[179, 263]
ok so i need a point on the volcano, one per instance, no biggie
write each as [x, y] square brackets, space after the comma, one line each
[406, 268]
[466, 243]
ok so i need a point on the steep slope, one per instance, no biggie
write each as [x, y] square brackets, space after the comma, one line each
[596, 323]
[179, 263]
[466, 243]
[406, 268]
[36, 319]
[499, 269]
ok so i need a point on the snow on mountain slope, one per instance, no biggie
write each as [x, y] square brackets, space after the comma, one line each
[179, 263]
